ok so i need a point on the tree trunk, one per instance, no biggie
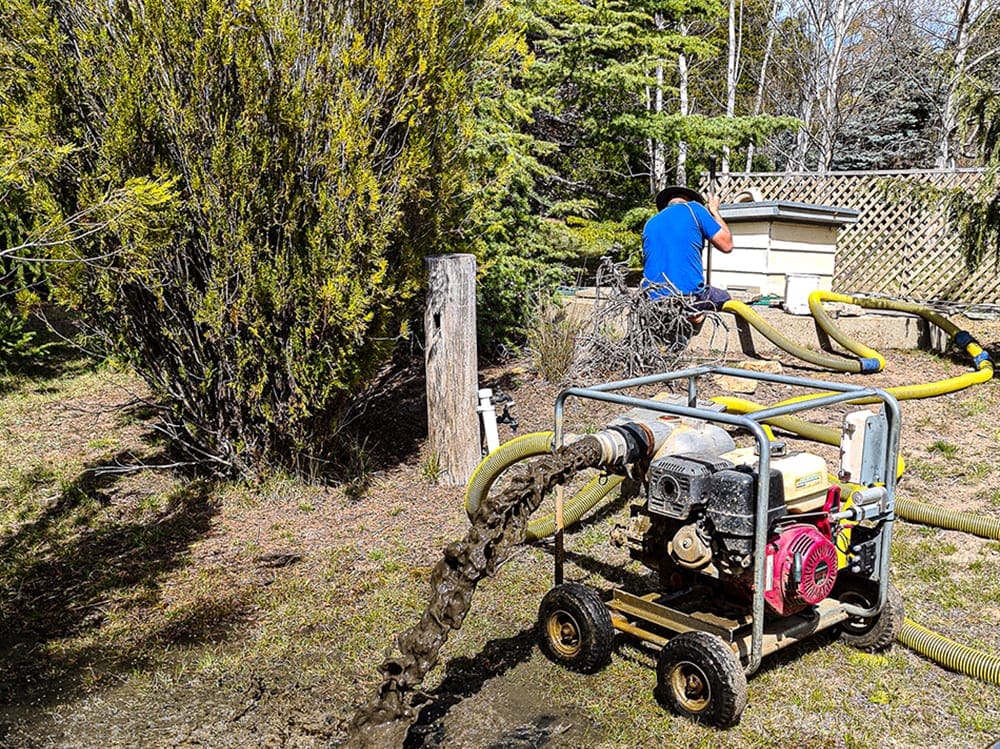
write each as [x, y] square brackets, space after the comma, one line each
[758, 101]
[682, 85]
[830, 99]
[958, 51]
[657, 148]
[732, 60]
[452, 375]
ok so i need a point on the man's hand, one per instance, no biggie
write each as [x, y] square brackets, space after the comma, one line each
[723, 239]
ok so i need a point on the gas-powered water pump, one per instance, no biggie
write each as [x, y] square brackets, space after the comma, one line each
[756, 547]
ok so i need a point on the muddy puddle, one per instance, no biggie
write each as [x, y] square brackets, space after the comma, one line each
[498, 526]
[509, 713]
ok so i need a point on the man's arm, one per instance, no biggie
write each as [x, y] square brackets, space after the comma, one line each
[722, 240]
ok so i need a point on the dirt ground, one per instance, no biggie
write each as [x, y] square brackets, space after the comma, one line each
[147, 608]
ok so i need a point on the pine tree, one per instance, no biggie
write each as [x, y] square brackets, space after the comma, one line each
[610, 101]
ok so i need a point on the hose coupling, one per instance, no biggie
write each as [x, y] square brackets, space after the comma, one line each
[963, 338]
[870, 365]
[982, 356]
[625, 443]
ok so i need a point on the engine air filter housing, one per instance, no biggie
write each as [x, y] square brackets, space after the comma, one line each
[678, 483]
[733, 505]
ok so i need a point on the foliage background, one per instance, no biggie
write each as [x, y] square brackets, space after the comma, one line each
[236, 198]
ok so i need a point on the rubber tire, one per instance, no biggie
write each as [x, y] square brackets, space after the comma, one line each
[707, 664]
[876, 633]
[574, 628]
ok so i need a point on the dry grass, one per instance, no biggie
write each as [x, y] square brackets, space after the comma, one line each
[147, 609]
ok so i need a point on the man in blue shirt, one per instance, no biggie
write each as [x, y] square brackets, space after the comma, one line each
[672, 242]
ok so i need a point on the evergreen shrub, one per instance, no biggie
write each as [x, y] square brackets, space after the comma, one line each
[269, 176]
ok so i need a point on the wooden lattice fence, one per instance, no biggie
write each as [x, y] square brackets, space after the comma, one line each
[900, 246]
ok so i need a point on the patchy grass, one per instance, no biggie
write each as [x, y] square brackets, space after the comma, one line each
[150, 609]
[947, 449]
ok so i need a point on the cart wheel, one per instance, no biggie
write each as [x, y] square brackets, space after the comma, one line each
[877, 632]
[699, 676]
[574, 627]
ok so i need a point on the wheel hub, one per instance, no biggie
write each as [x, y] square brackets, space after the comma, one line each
[691, 686]
[564, 633]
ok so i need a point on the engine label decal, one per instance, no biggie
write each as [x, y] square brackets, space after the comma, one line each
[812, 478]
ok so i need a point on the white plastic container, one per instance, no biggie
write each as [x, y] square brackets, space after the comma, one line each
[798, 287]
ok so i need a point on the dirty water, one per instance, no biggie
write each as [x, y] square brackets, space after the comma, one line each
[489, 700]
[498, 525]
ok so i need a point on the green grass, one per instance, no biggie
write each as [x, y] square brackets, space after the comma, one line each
[945, 448]
[973, 407]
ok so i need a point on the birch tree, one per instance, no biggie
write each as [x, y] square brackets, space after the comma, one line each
[964, 33]
[735, 39]
[758, 102]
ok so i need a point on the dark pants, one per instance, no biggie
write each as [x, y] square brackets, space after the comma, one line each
[711, 298]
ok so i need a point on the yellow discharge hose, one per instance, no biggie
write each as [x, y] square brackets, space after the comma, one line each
[918, 512]
[828, 361]
[825, 322]
[870, 360]
[795, 425]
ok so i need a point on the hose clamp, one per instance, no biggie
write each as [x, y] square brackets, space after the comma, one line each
[869, 365]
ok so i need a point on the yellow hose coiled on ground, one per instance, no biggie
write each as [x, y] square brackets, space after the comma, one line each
[828, 361]
[529, 446]
[826, 323]
[870, 360]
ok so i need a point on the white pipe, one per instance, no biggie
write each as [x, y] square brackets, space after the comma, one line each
[488, 414]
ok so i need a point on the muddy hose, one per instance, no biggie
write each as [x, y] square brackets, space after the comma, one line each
[498, 525]
[530, 446]
[950, 654]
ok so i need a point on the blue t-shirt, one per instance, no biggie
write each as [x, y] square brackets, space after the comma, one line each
[671, 247]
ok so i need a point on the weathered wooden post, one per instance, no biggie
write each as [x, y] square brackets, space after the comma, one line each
[451, 367]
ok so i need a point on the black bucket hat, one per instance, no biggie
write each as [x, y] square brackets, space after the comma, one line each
[664, 196]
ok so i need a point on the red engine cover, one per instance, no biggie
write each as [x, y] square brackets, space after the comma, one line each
[801, 569]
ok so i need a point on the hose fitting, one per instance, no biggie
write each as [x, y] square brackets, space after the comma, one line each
[870, 365]
[625, 443]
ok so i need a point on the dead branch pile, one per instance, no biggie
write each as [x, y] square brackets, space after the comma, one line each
[631, 334]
